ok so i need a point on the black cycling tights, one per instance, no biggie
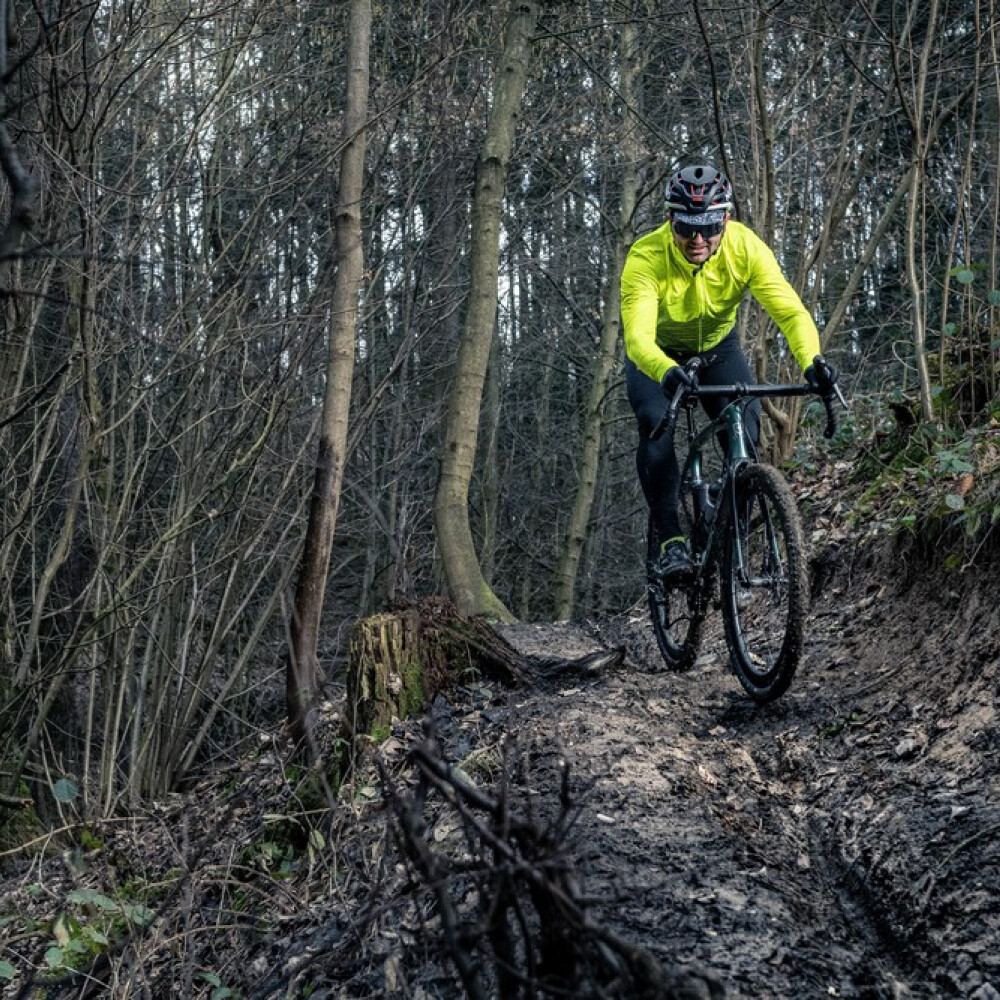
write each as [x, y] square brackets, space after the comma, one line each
[656, 461]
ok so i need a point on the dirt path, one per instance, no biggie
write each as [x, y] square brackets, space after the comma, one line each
[842, 842]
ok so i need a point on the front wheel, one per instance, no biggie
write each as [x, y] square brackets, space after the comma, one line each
[765, 595]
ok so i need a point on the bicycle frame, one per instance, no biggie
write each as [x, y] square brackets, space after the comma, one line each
[692, 475]
[736, 455]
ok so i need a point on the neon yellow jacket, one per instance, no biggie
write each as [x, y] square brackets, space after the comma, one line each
[668, 303]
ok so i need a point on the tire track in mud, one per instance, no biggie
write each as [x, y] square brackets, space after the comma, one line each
[699, 834]
[814, 847]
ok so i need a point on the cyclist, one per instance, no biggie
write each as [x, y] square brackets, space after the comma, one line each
[680, 289]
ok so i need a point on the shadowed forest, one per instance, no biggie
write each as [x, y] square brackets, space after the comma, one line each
[309, 312]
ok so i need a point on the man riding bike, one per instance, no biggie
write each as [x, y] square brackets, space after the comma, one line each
[680, 289]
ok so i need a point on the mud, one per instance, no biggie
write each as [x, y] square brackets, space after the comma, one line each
[844, 841]
[841, 842]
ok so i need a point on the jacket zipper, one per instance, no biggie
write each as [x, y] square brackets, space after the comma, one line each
[702, 300]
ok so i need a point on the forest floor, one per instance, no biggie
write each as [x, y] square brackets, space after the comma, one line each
[842, 842]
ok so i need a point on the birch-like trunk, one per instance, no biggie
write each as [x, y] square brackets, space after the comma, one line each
[302, 670]
[466, 584]
[583, 501]
[914, 227]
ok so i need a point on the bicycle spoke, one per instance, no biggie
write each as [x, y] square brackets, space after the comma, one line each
[764, 590]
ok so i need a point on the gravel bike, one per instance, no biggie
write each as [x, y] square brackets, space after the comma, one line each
[746, 542]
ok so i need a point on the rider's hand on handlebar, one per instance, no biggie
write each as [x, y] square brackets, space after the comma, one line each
[675, 378]
[822, 375]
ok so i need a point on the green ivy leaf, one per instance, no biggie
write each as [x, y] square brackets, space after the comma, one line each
[91, 897]
[97, 937]
[7, 971]
[994, 297]
[965, 275]
[65, 790]
[139, 915]
[949, 329]
[54, 957]
[954, 501]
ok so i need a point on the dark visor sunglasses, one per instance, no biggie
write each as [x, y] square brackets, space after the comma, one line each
[687, 231]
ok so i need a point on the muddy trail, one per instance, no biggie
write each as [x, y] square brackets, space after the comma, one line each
[841, 842]
[844, 841]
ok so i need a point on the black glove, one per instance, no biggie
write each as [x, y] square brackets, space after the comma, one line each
[822, 375]
[675, 378]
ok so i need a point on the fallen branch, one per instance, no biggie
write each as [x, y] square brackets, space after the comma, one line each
[511, 914]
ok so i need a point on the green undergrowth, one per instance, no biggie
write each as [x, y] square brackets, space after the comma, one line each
[88, 923]
[934, 489]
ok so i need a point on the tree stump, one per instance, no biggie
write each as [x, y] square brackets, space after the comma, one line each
[400, 659]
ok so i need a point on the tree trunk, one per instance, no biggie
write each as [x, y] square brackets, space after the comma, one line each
[921, 146]
[23, 185]
[583, 501]
[302, 668]
[466, 584]
[491, 462]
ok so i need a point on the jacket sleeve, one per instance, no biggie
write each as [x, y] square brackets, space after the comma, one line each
[782, 303]
[640, 305]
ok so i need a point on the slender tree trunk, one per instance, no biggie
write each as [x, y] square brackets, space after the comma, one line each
[766, 201]
[769, 207]
[916, 290]
[23, 185]
[491, 462]
[302, 668]
[921, 146]
[466, 584]
[583, 501]
[993, 273]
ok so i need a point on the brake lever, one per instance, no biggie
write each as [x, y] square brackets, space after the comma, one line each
[670, 417]
[831, 417]
[693, 366]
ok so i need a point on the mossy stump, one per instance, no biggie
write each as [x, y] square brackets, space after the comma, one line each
[400, 659]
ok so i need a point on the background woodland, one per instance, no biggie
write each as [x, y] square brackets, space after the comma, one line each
[171, 329]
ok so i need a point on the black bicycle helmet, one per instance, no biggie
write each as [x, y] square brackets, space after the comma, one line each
[699, 189]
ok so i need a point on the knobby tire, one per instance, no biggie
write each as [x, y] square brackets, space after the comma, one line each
[674, 613]
[764, 613]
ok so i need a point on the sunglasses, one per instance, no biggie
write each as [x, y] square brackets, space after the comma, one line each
[687, 231]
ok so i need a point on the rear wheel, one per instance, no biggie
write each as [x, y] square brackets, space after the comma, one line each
[676, 612]
[765, 596]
